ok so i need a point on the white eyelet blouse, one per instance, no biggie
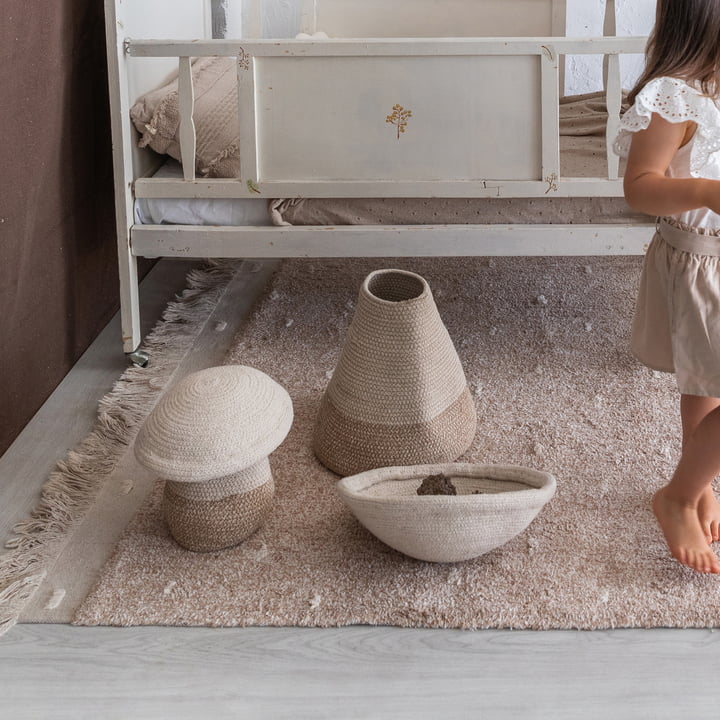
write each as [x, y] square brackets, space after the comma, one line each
[677, 101]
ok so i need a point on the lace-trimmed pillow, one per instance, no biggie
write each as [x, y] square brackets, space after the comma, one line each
[156, 117]
[675, 101]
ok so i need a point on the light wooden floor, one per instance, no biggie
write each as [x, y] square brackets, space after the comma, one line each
[58, 671]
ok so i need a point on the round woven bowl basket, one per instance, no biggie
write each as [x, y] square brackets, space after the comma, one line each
[398, 395]
[493, 504]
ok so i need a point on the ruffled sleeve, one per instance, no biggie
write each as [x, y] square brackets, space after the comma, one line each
[675, 101]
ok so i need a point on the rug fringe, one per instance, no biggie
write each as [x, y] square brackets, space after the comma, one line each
[74, 484]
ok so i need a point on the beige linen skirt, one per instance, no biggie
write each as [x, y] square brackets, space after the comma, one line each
[677, 317]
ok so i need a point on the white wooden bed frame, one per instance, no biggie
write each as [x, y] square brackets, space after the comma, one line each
[303, 103]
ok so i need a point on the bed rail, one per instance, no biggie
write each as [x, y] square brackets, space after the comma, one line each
[278, 158]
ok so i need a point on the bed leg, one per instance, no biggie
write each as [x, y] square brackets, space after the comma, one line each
[129, 302]
[130, 310]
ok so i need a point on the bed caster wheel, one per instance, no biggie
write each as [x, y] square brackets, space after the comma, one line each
[139, 358]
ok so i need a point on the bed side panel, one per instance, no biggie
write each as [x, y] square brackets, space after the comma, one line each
[411, 118]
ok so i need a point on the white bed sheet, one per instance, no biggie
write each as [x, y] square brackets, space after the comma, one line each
[199, 211]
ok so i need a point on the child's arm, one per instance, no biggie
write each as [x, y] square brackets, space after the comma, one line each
[646, 186]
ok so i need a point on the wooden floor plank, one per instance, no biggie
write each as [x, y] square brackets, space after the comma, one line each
[356, 672]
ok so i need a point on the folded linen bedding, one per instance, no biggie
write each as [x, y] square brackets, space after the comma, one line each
[198, 211]
[452, 211]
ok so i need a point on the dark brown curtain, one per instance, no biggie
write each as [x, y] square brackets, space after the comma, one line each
[58, 277]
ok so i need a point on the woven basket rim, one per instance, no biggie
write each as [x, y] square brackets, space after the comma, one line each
[365, 287]
[354, 487]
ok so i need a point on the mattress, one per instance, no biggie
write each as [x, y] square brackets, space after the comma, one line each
[582, 154]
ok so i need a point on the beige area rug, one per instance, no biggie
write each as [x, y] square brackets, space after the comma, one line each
[544, 345]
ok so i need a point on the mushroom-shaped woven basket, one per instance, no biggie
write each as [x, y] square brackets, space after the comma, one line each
[493, 504]
[209, 438]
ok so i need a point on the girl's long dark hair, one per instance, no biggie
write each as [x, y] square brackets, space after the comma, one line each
[685, 43]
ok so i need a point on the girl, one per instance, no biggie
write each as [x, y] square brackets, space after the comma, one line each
[671, 138]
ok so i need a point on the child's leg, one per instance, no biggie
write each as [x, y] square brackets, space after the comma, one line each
[676, 505]
[693, 408]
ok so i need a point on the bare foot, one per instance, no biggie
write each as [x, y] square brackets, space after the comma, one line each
[685, 537]
[709, 515]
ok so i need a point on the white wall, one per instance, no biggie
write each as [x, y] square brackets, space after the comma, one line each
[281, 18]
[585, 17]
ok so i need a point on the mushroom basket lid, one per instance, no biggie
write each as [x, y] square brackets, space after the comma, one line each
[214, 422]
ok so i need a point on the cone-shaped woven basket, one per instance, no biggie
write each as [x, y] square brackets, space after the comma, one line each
[398, 395]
